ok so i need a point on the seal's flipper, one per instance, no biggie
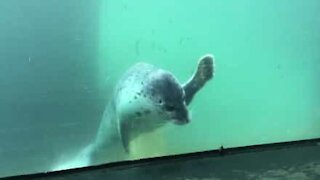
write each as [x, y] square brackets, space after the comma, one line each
[125, 135]
[203, 73]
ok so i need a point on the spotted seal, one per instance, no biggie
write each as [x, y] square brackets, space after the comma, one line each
[144, 99]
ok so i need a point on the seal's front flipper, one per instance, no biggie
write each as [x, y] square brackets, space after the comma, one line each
[125, 135]
[203, 73]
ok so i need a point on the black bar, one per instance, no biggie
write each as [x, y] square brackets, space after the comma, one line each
[221, 153]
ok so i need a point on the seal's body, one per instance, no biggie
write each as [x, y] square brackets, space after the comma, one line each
[145, 98]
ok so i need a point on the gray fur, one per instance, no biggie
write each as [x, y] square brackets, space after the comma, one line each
[146, 98]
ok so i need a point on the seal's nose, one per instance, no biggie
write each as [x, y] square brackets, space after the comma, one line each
[181, 122]
[180, 115]
[182, 118]
[186, 121]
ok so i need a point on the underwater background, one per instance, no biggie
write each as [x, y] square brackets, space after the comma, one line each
[59, 62]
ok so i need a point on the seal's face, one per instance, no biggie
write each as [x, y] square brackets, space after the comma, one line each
[168, 96]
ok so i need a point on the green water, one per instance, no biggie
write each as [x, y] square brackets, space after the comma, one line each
[266, 87]
[59, 62]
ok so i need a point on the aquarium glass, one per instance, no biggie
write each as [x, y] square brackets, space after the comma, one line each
[63, 64]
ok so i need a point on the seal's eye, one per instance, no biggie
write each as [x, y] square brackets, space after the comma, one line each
[169, 108]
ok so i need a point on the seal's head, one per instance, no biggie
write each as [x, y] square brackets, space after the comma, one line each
[152, 98]
[168, 96]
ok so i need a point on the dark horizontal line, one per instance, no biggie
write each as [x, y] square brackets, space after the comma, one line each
[188, 156]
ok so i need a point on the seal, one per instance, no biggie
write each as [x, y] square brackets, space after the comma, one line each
[144, 99]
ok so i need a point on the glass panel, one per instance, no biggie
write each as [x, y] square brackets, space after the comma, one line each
[66, 102]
